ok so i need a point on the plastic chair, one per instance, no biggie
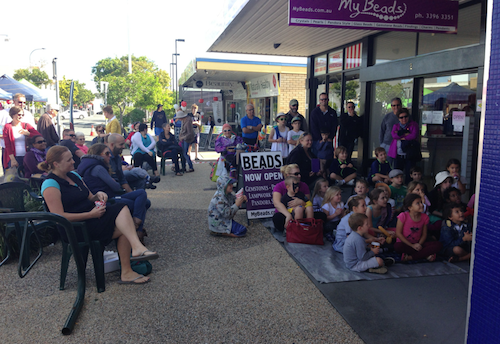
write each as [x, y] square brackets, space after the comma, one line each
[12, 199]
[96, 249]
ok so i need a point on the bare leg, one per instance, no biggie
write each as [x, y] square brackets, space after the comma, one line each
[309, 212]
[195, 150]
[127, 273]
[298, 213]
[125, 227]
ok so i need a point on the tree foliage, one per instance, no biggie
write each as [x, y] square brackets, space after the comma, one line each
[36, 76]
[385, 92]
[81, 95]
[351, 90]
[136, 115]
[146, 87]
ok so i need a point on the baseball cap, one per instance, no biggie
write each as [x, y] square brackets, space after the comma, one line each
[294, 102]
[296, 118]
[395, 173]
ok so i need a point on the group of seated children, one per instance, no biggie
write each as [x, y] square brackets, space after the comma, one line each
[414, 224]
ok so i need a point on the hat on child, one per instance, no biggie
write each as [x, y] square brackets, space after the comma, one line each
[395, 173]
[441, 177]
[296, 118]
[281, 114]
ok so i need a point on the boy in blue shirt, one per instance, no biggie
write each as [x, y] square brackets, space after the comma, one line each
[380, 169]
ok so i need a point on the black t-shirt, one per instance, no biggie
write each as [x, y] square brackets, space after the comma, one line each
[285, 198]
[72, 148]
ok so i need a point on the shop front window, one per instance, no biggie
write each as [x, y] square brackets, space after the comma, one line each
[382, 94]
[334, 92]
[448, 105]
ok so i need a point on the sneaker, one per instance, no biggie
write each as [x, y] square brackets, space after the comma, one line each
[155, 179]
[340, 182]
[150, 186]
[389, 261]
[329, 237]
[380, 270]
[350, 182]
[196, 159]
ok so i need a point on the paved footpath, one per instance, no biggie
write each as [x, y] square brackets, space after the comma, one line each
[204, 289]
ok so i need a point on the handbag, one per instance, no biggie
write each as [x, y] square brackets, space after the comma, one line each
[305, 231]
[412, 150]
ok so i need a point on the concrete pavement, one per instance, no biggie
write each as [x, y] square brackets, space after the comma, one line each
[204, 289]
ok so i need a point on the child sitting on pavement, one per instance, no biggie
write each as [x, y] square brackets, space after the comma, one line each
[342, 171]
[357, 205]
[456, 235]
[398, 190]
[222, 209]
[319, 193]
[356, 257]
[292, 191]
[381, 168]
[361, 189]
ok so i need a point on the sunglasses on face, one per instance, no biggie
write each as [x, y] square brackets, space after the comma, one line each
[72, 135]
[282, 119]
[401, 117]
[296, 174]
[227, 131]
[40, 142]
[323, 99]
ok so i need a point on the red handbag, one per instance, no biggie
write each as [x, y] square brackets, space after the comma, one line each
[305, 231]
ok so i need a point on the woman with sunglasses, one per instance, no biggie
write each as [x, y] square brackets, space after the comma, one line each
[282, 216]
[34, 156]
[226, 145]
[14, 135]
[402, 133]
[278, 136]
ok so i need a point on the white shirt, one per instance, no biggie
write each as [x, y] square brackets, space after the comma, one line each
[292, 135]
[19, 140]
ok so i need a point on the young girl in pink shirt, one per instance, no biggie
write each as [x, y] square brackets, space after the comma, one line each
[411, 232]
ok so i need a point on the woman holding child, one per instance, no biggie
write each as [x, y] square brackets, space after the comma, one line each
[67, 195]
[282, 215]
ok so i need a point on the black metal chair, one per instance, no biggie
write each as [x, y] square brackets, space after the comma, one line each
[13, 197]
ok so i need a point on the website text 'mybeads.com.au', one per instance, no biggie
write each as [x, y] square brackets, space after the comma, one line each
[310, 9]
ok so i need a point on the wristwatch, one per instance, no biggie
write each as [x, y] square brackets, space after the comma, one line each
[250, 127]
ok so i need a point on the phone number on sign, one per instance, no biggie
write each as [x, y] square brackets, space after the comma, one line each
[438, 16]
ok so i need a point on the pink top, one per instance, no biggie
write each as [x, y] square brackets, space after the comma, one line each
[281, 189]
[83, 148]
[412, 230]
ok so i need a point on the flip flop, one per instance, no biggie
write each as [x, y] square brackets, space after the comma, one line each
[143, 257]
[134, 281]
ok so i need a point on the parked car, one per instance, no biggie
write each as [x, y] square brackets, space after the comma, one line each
[76, 114]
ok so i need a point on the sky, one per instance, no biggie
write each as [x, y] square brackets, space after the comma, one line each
[80, 34]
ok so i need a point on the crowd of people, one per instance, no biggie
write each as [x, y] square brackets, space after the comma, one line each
[398, 220]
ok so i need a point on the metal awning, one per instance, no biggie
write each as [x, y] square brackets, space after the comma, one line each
[262, 23]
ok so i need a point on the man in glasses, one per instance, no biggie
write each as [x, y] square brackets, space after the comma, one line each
[351, 127]
[323, 116]
[388, 122]
[46, 127]
[250, 125]
[20, 100]
[69, 140]
[294, 112]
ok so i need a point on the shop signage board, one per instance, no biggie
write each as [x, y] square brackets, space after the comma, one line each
[335, 61]
[393, 15]
[261, 172]
[320, 65]
[264, 86]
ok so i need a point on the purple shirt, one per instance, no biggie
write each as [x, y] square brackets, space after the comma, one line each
[281, 189]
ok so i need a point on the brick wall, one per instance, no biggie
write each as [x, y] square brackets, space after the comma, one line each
[484, 315]
[292, 86]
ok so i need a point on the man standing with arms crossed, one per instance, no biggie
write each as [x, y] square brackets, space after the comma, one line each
[250, 125]
[323, 116]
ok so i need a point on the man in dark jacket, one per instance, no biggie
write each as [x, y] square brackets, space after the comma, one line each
[158, 119]
[46, 127]
[351, 127]
[322, 116]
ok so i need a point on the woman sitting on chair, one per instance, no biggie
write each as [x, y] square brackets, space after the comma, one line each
[167, 142]
[67, 195]
[143, 148]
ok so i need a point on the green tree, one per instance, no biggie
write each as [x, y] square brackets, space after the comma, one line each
[146, 87]
[385, 92]
[81, 95]
[36, 76]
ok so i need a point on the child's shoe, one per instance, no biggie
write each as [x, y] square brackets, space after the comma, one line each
[350, 182]
[340, 182]
[388, 261]
[380, 270]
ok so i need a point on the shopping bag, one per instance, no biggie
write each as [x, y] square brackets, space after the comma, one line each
[305, 231]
